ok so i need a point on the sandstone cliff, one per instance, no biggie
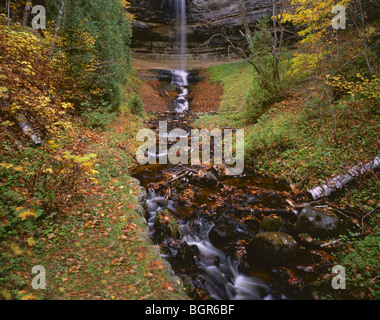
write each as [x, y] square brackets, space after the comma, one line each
[155, 35]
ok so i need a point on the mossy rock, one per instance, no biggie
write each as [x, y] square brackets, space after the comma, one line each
[166, 226]
[272, 224]
[271, 247]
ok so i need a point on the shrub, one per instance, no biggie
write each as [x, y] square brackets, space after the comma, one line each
[256, 101]
[136, 105]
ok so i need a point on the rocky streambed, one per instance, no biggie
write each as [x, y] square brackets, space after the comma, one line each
[235, 237]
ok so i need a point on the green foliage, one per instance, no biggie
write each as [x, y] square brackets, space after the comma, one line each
[361, 261]
[256, 101]
[262, 40]
[136, 105]
[95, 38]
[236, 79]
[98, 119]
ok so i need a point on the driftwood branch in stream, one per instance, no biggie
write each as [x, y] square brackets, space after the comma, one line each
[343, 179]
[184, 174]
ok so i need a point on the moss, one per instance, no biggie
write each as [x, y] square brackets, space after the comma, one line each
[166, 226]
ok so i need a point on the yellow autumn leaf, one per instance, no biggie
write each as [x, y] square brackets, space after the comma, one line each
[6, 294]
[26, 213]
[87, 164]
[31, 242]
[15, 248]
[31, 296]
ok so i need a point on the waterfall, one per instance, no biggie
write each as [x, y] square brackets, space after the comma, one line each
[181, 27]
[180, 75]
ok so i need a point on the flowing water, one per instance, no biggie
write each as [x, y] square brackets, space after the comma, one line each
[179, 76]
[214, 272]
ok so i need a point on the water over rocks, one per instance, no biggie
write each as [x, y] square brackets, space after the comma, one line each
[230, 237]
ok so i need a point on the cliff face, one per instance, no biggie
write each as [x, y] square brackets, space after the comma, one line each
[155, 36]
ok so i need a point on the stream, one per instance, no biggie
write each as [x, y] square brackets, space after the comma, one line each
[217, 216]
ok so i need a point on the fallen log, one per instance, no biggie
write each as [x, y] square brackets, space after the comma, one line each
[341, 180]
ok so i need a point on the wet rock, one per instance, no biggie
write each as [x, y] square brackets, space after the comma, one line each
[142, 197]
[140, 210]
[317, 223]
[223, 234]
[272, 223]
[271, 247]
[207, 178]
[186, 257]
[166, 226]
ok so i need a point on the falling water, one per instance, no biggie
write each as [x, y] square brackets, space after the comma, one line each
[179, 76]
[181, 27]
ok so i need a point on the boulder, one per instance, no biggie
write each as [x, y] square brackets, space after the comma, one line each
[140, 210]
[317, 223]
[142, 197]
[272, 223]
[207, 178]
[271, 247]
[222, 234]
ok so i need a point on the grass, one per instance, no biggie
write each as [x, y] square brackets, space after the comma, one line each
[95, 246]
[236, 79]
[297, 143]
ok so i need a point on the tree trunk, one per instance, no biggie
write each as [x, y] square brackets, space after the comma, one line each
[364, 37]
[26, 13]
[341, 180]
[248, 34]
[59, 19]
[8, 5]
[277, 45]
